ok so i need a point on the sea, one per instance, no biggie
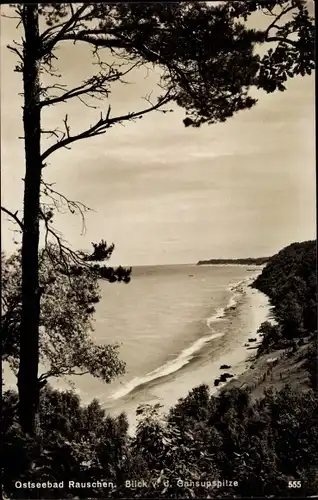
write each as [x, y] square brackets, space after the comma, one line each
[175, 325]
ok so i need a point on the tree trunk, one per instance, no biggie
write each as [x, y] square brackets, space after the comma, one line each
[29, 332]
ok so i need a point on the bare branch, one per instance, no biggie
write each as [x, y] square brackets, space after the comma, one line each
[279, 39]
[16, 51]
[66, 253]
[57, 86]
[87, 36]
[110, 67]
[68, 25]
[147, 98]
[52, 133]
[13, 216]
[94, 86]
[49, 69]
[103, 124]
[86, 104]
[60, 201]
[66, 125]
[277, 18]
[60, 372]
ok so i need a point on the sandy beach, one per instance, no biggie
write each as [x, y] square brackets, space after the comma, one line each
[238, 353]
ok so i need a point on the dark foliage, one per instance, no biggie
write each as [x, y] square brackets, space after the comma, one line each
[312, 362]
[262, 446]
[290, 281]
[73, 443]
[206, 53]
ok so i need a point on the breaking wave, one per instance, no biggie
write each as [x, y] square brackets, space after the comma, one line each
[168, 368]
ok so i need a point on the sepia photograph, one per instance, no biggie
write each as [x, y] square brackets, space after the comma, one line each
[158, 250]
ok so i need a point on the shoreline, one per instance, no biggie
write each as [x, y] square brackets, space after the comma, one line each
[239, 356]
[254, 310]
[252, 307]
[189, 353]
[244, 366]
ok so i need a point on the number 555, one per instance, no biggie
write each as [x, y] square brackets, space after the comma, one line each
[294, 484]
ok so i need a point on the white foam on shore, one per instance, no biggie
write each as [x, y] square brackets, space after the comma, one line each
[168, 368]
[188, 353]
[234, 286]
[220, 313]
[237, 289]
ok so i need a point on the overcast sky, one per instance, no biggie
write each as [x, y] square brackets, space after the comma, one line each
[164, 193]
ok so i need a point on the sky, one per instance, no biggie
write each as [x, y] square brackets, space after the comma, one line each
[164, 193]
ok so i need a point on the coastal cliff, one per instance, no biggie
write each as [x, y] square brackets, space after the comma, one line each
[288, 350]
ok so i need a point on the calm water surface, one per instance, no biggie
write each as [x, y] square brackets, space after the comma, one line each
[168, 320]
